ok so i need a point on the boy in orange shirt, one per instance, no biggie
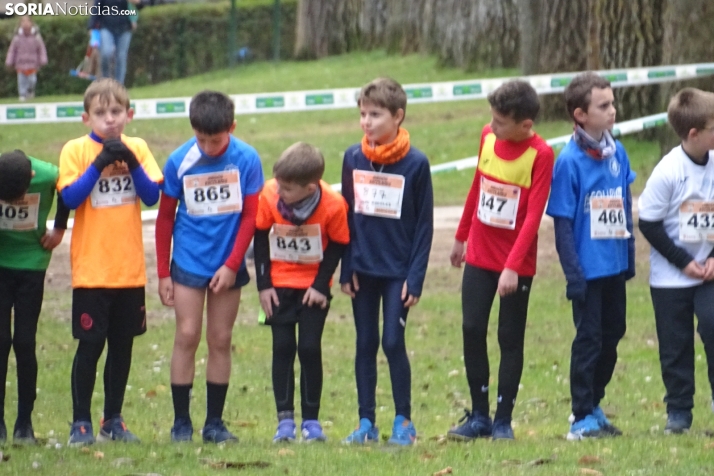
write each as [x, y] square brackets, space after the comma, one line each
[102, 176]
[301, 233]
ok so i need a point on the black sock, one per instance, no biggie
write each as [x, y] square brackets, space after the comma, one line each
[215, 400]
[182, 399]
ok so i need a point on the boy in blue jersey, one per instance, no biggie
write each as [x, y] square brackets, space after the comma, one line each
[591, 204]
[215, 179]
[387, 185]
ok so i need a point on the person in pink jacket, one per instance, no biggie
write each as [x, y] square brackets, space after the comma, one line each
[26, 55]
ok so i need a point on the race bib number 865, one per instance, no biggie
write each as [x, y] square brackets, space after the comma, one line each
[214, 193]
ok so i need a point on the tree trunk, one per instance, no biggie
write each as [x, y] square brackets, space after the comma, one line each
[404, 28]
[373, 23]
[326, 27]
[529, 22]
[687, 27]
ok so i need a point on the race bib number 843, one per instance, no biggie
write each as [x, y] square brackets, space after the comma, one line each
[296, 244]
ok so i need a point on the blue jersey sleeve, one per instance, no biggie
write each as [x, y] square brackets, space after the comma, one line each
[171, 185]
[564, 197]
[251, 173]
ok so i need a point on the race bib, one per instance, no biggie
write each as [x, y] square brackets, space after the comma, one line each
[696, 221]
[115, 187]
[607, 218]
[296, 244]
[20, 215]
[215, 193]
[378, 194]
[498, 204]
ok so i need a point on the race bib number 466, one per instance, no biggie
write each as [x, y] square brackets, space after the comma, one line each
[296, 244]
[20, 215]
[214, 193]
[498, 204]
[378, 194]
[696, 221]
[607, 218]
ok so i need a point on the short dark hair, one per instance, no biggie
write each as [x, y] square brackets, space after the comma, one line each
[15, 175]
[516, 99]
[689, 109]
[301, 163]
[211, 112]
[579, 92]
[386, 93]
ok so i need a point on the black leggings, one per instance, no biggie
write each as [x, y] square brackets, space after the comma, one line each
[21, 291]
[479, 288]
[309, 350]
[116, 375]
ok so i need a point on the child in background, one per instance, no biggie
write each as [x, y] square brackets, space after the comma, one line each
[214, 179]
[387, 185]
[26, 55]
[301, 234]
[27, 189]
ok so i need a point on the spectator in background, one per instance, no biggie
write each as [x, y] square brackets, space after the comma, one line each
[26, 55]
[115, 31]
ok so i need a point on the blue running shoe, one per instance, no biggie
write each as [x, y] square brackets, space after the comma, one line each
[403, 432]
[365, 433]
[182, 430]
[115, 429]
[285, 432]
[81, 434]
[312, 431]
[588, 427]
[215, 431]
[606, 427]
[678, 421]
[473, 425]
[502, 430]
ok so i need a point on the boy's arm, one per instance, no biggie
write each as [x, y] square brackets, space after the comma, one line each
[424, 233]
[330, 259]
[464, 228]
[76, 192]
[146, 189]
[631, 271]
[540, 188]
[52, 238]
[163, 234]
[245, 232]
[565, 245]
[62, 214]
[261, 256]
[655, 233]
[348, 194]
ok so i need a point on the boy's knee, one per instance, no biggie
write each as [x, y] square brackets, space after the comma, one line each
[187, 339]
[309, 350]
[219, 341]
[393, 347]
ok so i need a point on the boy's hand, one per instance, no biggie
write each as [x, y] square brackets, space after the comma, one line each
[121, 152]
[508, 282]
[52, 238]
[351, 288]
[457, 254]
[409, 299]
[694, 270]
[576, 290]
[224, 278]
[104, 159]
[313, 297]
[166, 291]
[268, 297]
[709, 269]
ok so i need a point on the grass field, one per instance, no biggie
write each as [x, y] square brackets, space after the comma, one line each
[439, 391]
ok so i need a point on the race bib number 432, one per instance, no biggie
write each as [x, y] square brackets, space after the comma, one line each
[214, 193]
[378, 194]
[696, 221]
[607, 218]
[20, 215]
[296, 244]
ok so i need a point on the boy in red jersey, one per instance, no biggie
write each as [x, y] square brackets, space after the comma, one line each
[500, 222]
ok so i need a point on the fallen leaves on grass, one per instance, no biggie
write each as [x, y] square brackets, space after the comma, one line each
[119, 462]
[3, 457]
[590, 472]
[285, 452]
[589, 459]
[535, 462]
[426, 457]
[444, 471]
[98, 455]
[221, 464]
[709, 446]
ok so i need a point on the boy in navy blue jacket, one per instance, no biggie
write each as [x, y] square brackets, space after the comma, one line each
[591, 204]
[387, 185]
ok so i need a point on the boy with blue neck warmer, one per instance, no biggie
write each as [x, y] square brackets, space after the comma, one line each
[591, 205]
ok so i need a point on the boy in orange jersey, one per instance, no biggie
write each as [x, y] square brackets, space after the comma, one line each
[301, 233]
[102, 176]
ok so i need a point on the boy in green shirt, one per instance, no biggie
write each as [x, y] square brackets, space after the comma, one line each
[27, 188]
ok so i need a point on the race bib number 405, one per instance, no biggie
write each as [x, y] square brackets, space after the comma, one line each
[20, 215]
[498, 204]
[114, 188]
[696, 221]
[378, 194]
[215, 193]
[296, 244]
[607, 218]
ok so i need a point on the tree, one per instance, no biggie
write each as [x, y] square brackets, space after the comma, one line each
[326, 27]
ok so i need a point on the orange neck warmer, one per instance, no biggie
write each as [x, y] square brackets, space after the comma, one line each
[388, 153]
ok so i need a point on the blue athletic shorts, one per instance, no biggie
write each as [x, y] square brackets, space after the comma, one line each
[186, 278]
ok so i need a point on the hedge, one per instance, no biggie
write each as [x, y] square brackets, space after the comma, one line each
[172, 41]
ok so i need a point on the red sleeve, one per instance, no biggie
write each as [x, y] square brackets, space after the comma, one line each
[163, 234]
[245, 231]
[540, 188]
[462, 232]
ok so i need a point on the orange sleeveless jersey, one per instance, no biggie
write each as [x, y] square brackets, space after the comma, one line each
[330, 214]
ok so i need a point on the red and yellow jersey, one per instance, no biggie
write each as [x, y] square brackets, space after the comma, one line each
[107, 248]
[331, 218]
[505, 205]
